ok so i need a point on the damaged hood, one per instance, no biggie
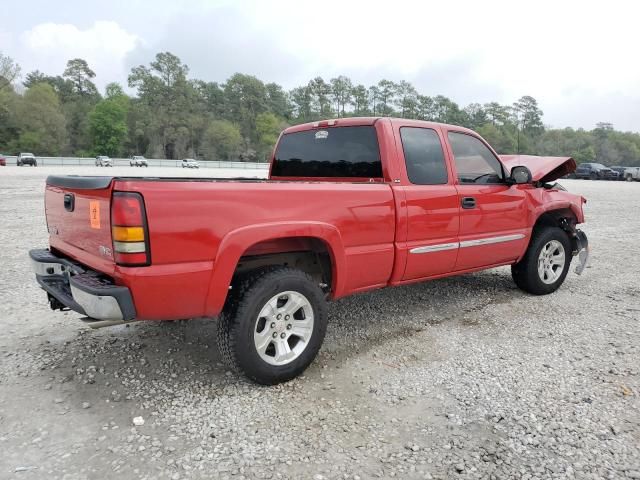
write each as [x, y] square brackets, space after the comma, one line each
[543, 169]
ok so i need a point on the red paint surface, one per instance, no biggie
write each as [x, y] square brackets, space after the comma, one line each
[200, 229]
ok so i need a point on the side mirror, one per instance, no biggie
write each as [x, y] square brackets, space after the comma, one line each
[520, 175]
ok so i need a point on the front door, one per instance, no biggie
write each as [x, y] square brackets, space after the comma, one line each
[432, 205]
[493, 216]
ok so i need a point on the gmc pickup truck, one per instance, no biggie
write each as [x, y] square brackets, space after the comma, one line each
[350, 205]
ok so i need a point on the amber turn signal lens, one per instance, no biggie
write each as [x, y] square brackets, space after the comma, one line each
[127, 234]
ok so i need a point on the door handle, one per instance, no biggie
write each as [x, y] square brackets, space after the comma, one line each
[468, 202]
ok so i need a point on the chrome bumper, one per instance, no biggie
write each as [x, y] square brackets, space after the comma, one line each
[69, 285]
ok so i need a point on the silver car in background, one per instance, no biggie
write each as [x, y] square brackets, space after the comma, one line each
[138, 161]
[190, 163]
[103, 161]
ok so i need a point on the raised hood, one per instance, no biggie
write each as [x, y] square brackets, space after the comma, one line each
[543, 169]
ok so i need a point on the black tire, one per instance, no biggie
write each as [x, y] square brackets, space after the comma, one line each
[525, 272]
[593, 176]
[239, 318]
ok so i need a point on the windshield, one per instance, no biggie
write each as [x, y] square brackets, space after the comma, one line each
[331, 152]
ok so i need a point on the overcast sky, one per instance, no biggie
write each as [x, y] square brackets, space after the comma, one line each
[579, 59]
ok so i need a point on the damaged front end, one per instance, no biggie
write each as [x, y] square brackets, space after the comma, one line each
[579, 244]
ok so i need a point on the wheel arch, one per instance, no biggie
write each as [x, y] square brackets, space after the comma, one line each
[274, 244]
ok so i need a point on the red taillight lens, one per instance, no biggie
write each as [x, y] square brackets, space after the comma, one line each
[129, 231]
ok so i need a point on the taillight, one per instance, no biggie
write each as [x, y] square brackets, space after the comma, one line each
[129, 230]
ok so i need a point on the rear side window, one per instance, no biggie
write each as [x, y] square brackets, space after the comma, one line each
[330, 152]
[475, 163]
[423, 156]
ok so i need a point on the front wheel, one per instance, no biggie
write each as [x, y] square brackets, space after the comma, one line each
[546, 262]
[273, 324]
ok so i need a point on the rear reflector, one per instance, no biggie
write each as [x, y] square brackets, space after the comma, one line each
[129, 230]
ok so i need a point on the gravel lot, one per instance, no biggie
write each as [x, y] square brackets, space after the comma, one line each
[459, 378]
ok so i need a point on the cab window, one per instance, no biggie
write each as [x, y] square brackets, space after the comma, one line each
[475, 163]
[423, 156]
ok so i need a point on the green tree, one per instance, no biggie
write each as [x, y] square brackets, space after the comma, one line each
[500, 139]
[108, 123]
[268, 128]
[245, 99]
[301, 100]
[529, 116]
[320, 103]
[277, 101]
[497, 114]
[374, 99]
[406, 99]
[222, 140]
[41, 122]
[386, 90]
[80, 75]
[34, 77]
[341, 92]
[9, 71]
[360, 100]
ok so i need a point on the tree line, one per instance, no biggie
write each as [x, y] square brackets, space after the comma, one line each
[174, 116]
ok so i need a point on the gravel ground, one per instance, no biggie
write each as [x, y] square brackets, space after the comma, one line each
[458, 378]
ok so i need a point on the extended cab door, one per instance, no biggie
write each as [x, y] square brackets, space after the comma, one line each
[431, 201]
[493, 216]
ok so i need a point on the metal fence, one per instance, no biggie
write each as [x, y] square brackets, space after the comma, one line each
[153, 162]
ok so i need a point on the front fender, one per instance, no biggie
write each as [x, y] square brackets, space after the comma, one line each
[237, 242]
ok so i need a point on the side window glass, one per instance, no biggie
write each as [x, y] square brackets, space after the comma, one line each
[423, 156]
[475, 163]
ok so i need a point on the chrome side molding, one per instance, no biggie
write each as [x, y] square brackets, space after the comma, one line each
[467, 243]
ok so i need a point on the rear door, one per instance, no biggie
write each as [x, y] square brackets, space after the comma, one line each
[493, 216]
[431, 203]
[78, 219]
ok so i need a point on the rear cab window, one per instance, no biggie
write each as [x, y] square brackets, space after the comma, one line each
[423, 156]
[334, 152]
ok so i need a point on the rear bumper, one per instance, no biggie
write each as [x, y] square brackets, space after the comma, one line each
[70, 285]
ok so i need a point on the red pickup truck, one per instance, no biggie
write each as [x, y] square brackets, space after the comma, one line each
[350, 205]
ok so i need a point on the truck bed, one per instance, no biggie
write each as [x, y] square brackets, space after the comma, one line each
[199, 228]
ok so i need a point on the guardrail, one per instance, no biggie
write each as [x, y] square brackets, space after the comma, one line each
[153, 162]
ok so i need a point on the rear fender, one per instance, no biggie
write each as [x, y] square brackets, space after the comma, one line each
[237, 242]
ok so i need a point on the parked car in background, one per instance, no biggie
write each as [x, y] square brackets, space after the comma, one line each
[595, 171]
[27, 159]
[3, 161]
[632, 174]
[351, 204]
[619, 170]
[103, 161]
[138, 161]
[190, 163]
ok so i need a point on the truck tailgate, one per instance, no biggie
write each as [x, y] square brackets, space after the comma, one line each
[78, 219]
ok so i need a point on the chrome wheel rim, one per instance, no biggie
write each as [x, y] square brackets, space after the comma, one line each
[551, 262]
[283, 328]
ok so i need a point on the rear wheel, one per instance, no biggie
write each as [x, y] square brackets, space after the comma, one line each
[273, 324]
[545, 264]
